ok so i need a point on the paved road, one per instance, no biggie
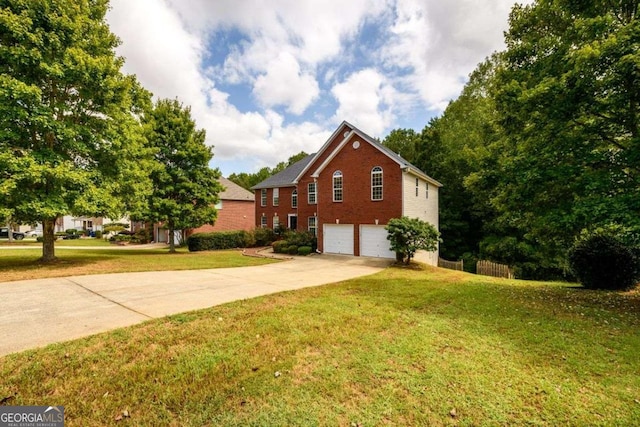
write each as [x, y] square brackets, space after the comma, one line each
[35, 313]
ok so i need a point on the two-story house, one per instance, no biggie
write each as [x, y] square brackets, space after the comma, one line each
[346, 193]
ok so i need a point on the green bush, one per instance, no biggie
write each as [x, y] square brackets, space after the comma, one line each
[263, 236]
[601, 260]
[219, 240]
[302, 238]
[280, 246]
[292, 250]
[60, 233]
[98, 234]
[71, 231]
[304, 250]
[122, 238]
[40, 239]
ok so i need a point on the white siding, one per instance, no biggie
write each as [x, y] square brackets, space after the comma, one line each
[420, 207]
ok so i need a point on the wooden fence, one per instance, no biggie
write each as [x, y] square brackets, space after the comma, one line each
[451, 265]
[488, 268]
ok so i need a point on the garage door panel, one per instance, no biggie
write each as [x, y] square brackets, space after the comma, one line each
[338, 238]
[374, 243]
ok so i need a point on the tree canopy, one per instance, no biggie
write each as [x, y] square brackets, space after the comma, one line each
[70, 142]
[185, 188]
[543, 141]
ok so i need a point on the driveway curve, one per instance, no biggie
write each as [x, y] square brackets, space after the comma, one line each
[34, 313]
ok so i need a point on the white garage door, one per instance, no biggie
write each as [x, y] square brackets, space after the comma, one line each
[338, 238]
[374, 243]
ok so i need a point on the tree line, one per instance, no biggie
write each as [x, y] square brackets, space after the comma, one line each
[543, 143]
[79, 137]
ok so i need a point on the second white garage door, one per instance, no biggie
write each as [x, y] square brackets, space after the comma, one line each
[338, 239]
[374, 243]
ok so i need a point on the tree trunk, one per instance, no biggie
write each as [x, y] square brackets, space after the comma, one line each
[9, 232]
[172, 238]
[48, 248]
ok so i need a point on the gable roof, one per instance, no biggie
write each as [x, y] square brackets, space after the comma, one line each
[404, 164]
[233, 191]
[291, 175]
[286, 177]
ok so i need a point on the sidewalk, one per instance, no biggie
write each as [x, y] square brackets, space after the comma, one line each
[35, 313]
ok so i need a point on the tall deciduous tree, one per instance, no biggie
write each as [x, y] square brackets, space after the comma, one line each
[568, 99]
[185, 188]
[69, 139]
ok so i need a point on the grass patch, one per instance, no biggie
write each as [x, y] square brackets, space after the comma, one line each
[402, 347]
[20, 264]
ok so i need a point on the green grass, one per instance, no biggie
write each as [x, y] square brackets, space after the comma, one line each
[402, 347]
[20, 264]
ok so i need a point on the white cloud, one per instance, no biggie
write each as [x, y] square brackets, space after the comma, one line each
[365, 100]
[297, 56]
[284, 84]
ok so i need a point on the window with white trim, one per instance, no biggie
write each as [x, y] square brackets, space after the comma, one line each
[276, 196]
[263, 221]
[376, 183]
[294, 199]
[311, 195]
[276, 222]
[417, 187]
[337, 186]
[263, 197]
[313, 225]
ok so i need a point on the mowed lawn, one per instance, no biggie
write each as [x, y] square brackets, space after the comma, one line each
[20, 264]
[421, 347]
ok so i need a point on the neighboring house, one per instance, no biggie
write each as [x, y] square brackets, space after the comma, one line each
[346, 193]
[80, 223]
[235, 212]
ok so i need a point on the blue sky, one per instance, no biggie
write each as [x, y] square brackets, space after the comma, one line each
[267, 80]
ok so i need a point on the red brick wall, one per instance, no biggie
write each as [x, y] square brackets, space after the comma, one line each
[283, 209]
[357, 207]
[234, 215]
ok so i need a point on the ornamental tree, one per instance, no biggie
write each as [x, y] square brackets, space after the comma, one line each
[185, 188]
[409, 235]
[70, 142]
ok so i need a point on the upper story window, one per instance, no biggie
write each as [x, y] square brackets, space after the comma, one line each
[337, 186]
[417, 186]
[311, 195]
[294, 199]
[376, 183]
[263, 197]
[426, 190]
[276, 196]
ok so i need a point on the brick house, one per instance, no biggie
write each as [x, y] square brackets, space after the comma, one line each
[236, 211]
[346, 193]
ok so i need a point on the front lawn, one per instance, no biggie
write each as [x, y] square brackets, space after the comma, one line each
[20, 264]
[402, 347]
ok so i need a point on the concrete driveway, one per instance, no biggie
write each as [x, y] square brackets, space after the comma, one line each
[35, 313]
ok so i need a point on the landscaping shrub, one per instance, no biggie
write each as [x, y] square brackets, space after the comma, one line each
[71, 231]
[219, 240]
[292, 250]
[280, 246]
[60, 233]
[601, 260]
[304, 250]
[98, 234]
[263, 236]
[302, 238]
[40, 239]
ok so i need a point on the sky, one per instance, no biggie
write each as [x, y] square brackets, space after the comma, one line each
[268, 79]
